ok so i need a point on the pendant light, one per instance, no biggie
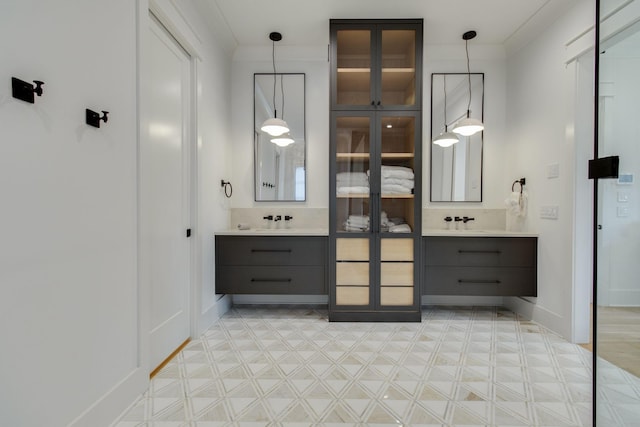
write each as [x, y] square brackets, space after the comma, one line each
[274, 126]
[283, 140]
[446, 138]
[468, 126]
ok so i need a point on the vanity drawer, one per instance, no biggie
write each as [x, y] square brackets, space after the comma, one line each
[292, 280]
[480, 251]
[504, 281]
[271, 250]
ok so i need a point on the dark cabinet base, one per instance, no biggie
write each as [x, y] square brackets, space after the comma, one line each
[271, 280]
[375, 316]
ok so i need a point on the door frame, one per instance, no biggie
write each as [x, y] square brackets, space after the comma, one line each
[169, 17]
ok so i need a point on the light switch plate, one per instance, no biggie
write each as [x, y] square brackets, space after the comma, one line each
[623, 196]
[623, 211]
[553, 170]
[549, 212]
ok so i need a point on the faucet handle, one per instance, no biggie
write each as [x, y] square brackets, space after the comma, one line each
[268, 217]
[457, 219]
[448, 219]
[288, 217]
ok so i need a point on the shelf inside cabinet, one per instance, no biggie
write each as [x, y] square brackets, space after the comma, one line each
[397, 155]
[352, 156]
[353, 196]
[396, 196]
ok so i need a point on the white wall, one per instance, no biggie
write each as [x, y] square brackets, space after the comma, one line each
[70, 304]
[68, 254]
[540, 96]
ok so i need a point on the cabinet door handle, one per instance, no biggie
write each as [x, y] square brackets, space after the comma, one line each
[487, 282]
[270, 280]
[271, 250]
[462, 251]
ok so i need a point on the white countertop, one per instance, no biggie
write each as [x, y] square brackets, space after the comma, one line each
[325, 232]
[275, 232]
[478, 233]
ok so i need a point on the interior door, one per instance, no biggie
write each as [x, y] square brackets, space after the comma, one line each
[165, 192]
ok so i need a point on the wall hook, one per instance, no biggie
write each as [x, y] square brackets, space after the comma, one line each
[93, 119]
[226, 184]
[25, 91]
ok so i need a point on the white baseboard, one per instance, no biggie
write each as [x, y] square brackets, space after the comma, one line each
[107, 409]
[213, 313]
[550, 320]
[461, 300]
[624, 298]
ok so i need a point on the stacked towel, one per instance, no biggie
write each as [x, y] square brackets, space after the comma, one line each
[397, 180]
[352, 183]
[357, 223]
[393, 225]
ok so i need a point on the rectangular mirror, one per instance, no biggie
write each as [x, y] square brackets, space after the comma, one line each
[279, 167]
[456, 171]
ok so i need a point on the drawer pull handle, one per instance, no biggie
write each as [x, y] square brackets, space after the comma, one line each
[488, 282]
[461, 251]
[271, 280]
[271, 250]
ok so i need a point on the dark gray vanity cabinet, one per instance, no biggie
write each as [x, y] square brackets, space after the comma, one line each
[491, 266]
[375, 170]
[277, 265]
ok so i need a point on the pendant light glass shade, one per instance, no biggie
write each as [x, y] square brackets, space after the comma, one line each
[446, 139]
[283, 140]
[275, 126]
[468, 126]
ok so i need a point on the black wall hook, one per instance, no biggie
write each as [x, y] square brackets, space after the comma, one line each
[93, 118]
[25, 91]
[227, 186]
[521, 181]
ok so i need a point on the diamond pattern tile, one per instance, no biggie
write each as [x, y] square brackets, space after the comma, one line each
[461, 366]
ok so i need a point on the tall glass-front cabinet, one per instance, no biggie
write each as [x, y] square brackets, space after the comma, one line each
[375, 174]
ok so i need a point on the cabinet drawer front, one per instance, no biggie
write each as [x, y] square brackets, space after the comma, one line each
[264, 280]
[352, 274]
[513, 281]
[352, 295]
[396, 296]
[352, 249]
[396, 274]
[481, 251]
[396, 249]
[271, 250]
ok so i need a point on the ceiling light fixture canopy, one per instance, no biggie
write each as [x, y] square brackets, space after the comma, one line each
[446, 138]
[275, 126]
[468, 126]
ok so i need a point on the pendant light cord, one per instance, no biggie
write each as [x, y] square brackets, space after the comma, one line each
[282, 90]
[444, 85]
[466, 46]
[273, 60]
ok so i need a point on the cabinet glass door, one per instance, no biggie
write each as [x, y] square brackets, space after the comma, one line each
[353, 72]
[353, 210]
[397, 208]
[398, 60]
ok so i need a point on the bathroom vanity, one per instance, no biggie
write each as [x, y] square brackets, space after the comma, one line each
[479, 263]
[271, 263]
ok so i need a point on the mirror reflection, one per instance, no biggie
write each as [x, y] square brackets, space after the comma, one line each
[279, 164]
[456, 170]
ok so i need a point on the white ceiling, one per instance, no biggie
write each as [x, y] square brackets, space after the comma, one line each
[306, 22]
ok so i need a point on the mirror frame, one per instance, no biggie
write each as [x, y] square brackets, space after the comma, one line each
[475, 95]
[257, 132]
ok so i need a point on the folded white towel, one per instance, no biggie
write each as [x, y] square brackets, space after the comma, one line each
[405, 182]
[402, 228]
[352, 190]
[396, 172]
[395, 189]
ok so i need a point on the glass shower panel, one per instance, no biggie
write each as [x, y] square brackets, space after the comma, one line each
[617, 297]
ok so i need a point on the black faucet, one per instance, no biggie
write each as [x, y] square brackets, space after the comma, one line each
[269, 217]
[277, 218]
[466, 219]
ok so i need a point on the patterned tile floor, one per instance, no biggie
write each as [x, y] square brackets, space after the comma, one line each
[462, 366]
